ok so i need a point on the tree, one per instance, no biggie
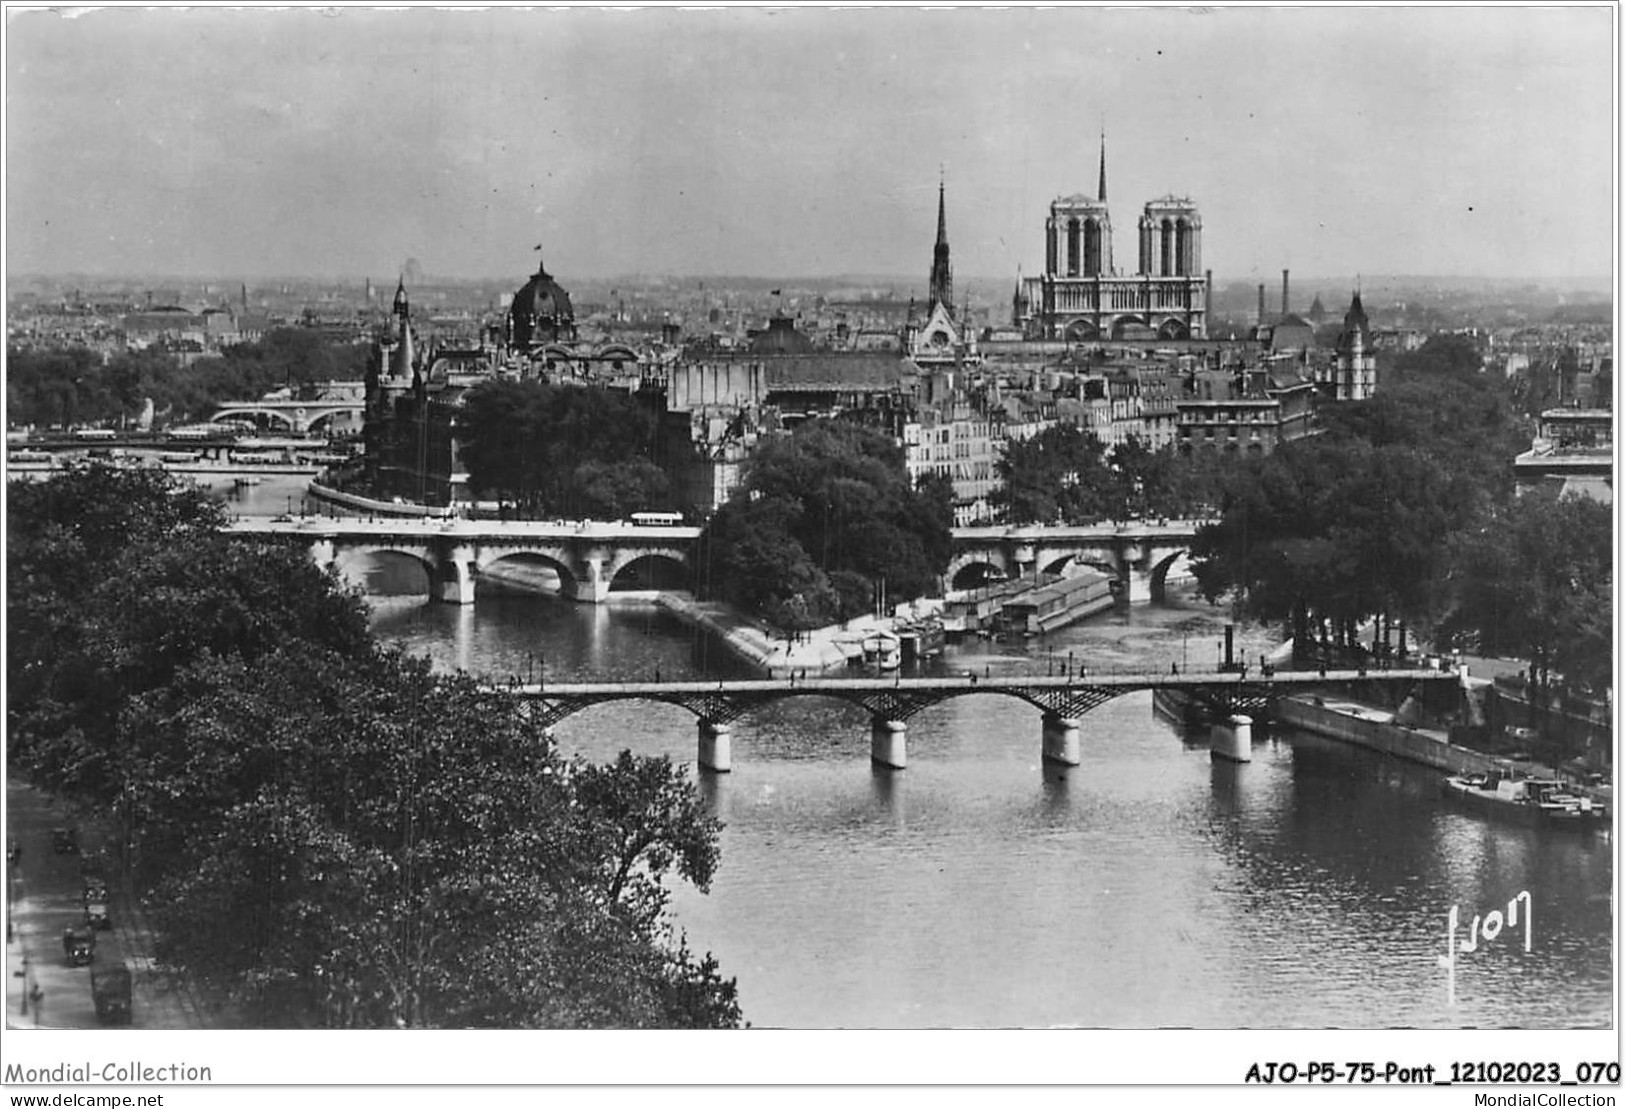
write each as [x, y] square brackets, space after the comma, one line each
[560, 449]
[373, 845]
[329, 834]
[1535, 580]
[824, 521]
[1333, 529]
[76, 386]
[1058, 476]
[161, 606]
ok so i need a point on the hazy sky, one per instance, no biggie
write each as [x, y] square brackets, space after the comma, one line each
[804, 141]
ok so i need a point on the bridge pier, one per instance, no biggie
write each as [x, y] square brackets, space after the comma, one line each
[888, 743]
[591, 584]
[1061, 740]
[1137, 585]
[454, 584]
[716, 748]
[1232, 739]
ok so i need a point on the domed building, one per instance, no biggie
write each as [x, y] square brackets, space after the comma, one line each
[541, 313]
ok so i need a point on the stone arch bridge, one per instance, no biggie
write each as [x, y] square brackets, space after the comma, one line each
[454, 553]
[297, 416]
[590, 555]
[1138, 555]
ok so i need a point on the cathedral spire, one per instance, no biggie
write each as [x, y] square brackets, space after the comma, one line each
[1102, 196]
[942, 274]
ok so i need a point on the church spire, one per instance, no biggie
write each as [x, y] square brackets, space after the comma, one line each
[942, 213]
[1102, 195]
[942, 275]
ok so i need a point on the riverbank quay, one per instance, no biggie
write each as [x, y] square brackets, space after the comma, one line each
[374, 507]
[1375, 729]
[813, 652]
[45, 895]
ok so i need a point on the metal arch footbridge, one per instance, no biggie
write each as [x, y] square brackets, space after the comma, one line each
[891, 702]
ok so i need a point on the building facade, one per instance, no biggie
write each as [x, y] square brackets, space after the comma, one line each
[1081, 296]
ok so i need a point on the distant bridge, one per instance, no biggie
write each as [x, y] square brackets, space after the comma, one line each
[1137, 553]
[589, 556]
[298, 416]
[890, 702]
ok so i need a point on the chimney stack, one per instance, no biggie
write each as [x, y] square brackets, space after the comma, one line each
[1260, 305]
[1286, 291]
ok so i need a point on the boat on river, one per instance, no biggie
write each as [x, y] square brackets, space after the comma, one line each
[1543, 801]
[1052, 606]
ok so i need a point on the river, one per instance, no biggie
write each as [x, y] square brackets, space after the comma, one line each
[1149, 887]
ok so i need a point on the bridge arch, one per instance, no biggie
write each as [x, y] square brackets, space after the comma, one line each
[974, 573]
[1162, 568]
[386, 571]
[528, 571]
[880, 703]
[650, 571]
[1058, 562]
[260, 416]
[986, 562]
[328, 418]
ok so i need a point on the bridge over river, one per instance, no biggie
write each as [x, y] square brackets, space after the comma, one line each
[890, 702]
[592, 557]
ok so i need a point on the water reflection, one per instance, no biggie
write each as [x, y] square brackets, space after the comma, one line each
[1151, 886]
[886, 789]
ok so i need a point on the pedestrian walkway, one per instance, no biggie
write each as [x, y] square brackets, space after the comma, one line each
[46, 896]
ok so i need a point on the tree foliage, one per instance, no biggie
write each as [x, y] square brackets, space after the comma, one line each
[330, 834]
[579, 451]
[1438, 400]
[1336, 530]
[824, 520]
[75, 386]
[1534, 580]
[1066, 475]
[1405, 508]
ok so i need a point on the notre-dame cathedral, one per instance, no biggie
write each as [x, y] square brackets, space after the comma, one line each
[1082, 296]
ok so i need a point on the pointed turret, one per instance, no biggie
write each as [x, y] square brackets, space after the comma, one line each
[1355, 319]
[1102, 196]
[942, 274]
[405, 355]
